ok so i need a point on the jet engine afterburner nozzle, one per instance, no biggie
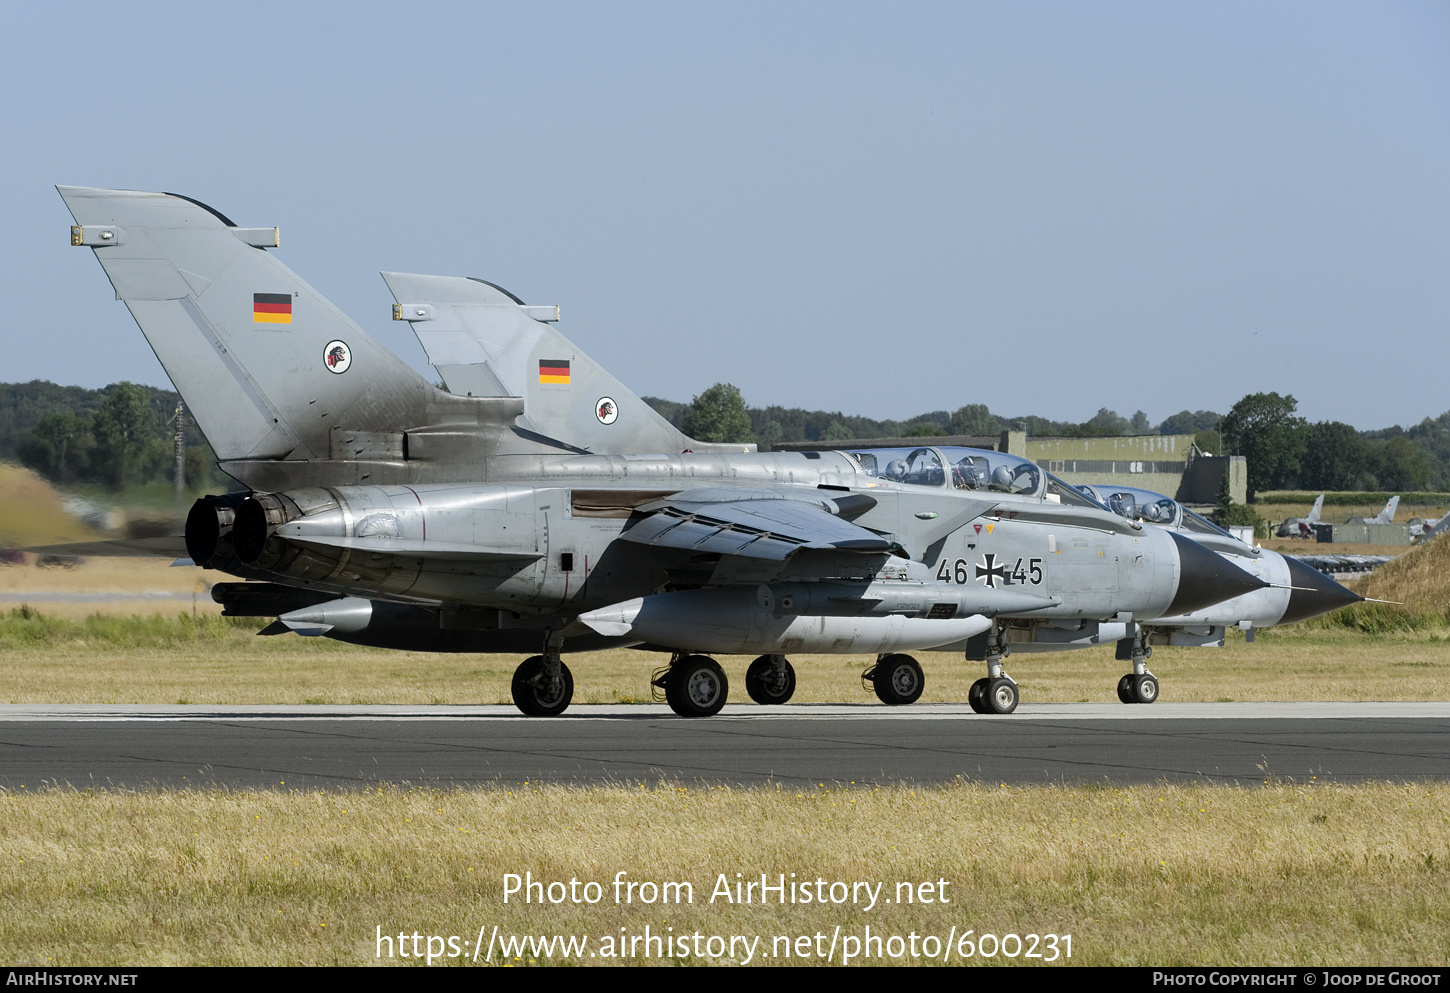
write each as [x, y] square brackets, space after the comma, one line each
[257, 517]
[1206, 578]
[208, 527]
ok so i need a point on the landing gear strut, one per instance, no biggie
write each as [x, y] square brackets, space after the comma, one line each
[770, 680]
[695, 685]
[995, 693]
[1140, 685]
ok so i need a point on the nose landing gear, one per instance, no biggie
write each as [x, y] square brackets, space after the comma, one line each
[995, 693]
[1140, 685]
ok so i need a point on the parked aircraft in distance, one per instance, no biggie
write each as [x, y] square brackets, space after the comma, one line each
[538, 506]
[1302, 527]
[1294, 590]
[1385, 516]
[1422, 529]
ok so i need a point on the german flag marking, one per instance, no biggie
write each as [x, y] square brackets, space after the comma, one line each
[554, 371]
[271, 308]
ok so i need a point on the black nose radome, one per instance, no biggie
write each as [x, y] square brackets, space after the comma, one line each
[1314, 593]
[1206, 578]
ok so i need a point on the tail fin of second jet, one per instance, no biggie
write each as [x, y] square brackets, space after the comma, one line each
[484, 341]
[1387, 516]
[1313, 517]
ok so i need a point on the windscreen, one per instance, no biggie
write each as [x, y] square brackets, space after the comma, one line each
[1072, 496]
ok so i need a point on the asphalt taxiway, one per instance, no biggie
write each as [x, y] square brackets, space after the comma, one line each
[315, 747]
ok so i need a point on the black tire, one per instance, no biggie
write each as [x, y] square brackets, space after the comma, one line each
[696, 687]
[977, 696]
[1125, 689]
[1145, 688]
[1001, 696]
[898, 680]
[537, 702]
[762, 688]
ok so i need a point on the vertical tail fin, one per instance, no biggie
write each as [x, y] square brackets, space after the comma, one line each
[484, 341]
[270, 369]
[1387, 516]
[1313, 517]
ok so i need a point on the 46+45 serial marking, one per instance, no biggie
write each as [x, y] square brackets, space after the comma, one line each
[989, 571]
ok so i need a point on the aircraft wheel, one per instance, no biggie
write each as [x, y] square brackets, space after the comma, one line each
[1001, 696]
[696, 687]
[1125, 689]
[898, 680]
[977, 696]
[531, 691]
[762, 685]
[1144, 688]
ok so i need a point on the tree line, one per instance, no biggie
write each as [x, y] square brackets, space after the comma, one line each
[115, 438]
[122, 436]
[1283, 450]
[721, 414]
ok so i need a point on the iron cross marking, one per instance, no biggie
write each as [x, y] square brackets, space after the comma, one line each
[990, 571]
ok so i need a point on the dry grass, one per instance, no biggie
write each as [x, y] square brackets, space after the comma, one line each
[130, 585]
[30, 511]
[1281, 874]
[120, 576]
[1420, 579]
[214, 660]
[1280, 512]
[1301, 547]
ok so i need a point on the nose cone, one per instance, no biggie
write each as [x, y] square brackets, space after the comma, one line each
[1313, 594]
[1206, 578]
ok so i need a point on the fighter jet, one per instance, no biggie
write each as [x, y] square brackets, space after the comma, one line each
[382, 510]
[1302, 527]
[1293, 592]
[1422, 529]
[1385, 516]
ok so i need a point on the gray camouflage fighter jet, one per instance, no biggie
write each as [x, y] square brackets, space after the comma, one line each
[552, 511]
[1294, 590]
[1385, 516]
[1302, 527]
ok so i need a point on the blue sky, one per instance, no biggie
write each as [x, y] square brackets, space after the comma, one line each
[881, 209]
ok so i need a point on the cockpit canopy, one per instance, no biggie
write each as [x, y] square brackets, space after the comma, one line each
[961, 468]
[1153, 508]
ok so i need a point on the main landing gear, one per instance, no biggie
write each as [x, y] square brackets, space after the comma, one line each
[1140, 685]
[695, 685]
[770, 680]
[543, 686]
[897, 679]
[995, 693]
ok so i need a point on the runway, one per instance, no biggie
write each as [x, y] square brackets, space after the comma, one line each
[322, 747]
